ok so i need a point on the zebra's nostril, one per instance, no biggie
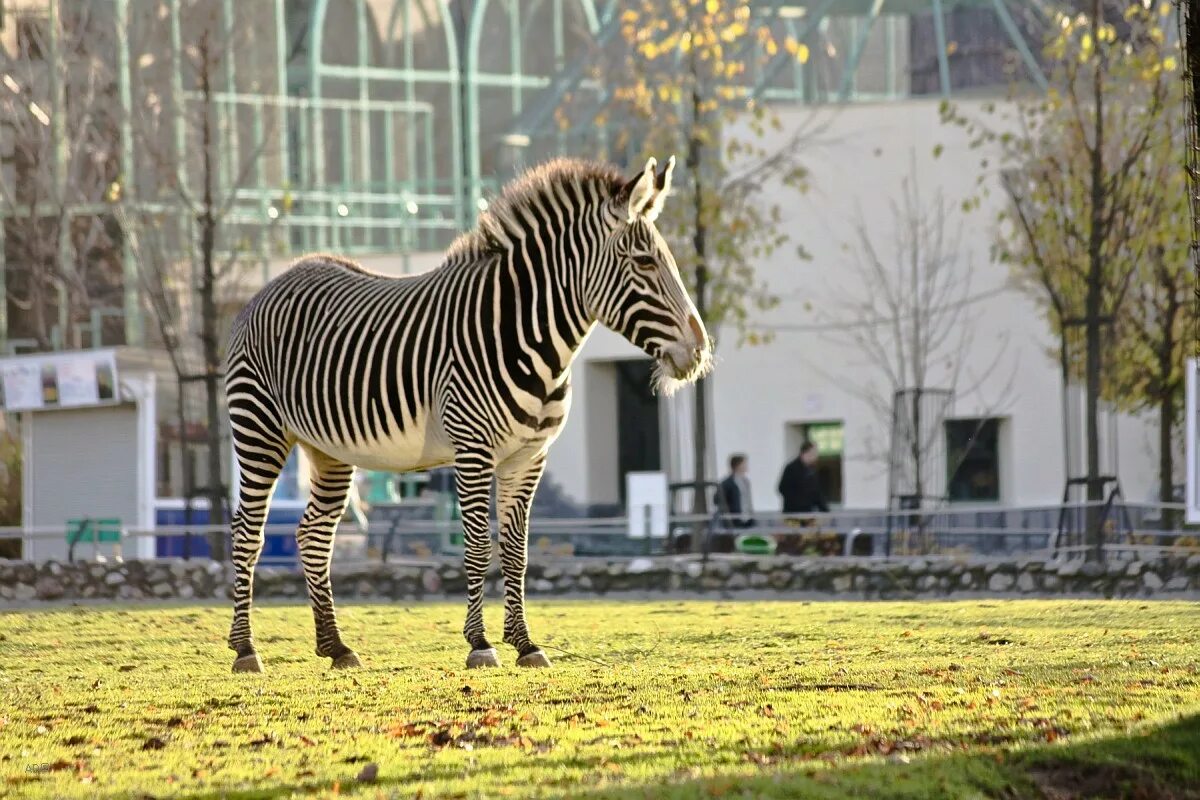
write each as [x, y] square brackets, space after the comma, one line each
[697, 330]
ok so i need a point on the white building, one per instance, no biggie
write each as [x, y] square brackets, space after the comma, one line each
[764, 396]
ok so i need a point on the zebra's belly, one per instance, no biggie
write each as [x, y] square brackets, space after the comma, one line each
[422, 446]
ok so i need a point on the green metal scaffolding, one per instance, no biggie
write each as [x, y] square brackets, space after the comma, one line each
[386, 124]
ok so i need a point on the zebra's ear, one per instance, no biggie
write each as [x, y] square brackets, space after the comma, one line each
[640, 190]
[662, 187]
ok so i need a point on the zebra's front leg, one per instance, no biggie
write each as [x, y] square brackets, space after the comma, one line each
[329, 488]
[516, 482]
[473, 473]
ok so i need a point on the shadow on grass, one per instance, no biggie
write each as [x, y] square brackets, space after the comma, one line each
[1160, 763]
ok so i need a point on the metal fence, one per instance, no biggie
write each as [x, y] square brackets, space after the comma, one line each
[1129, 530]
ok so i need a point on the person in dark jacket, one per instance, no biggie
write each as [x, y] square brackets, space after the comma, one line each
[799, 486]
[733, 494]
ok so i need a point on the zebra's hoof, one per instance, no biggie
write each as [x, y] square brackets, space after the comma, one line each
[250, 663]
[483, 658]
[535, 659]
[347, 660]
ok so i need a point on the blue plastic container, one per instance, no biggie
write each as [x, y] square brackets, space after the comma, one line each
[279, 548]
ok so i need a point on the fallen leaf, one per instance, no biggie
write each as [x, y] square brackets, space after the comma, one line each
[405, 730]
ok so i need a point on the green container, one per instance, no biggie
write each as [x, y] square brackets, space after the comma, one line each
[754, 545]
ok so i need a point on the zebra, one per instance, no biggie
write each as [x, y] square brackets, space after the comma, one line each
[466, 365]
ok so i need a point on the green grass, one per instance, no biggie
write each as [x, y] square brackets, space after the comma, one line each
[999, 699]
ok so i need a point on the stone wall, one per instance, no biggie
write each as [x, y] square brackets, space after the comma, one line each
[173, 579]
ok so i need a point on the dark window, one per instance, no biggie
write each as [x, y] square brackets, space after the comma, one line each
[973, 460]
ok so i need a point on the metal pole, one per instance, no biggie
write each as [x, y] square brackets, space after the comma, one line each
[316, 144]
[129, 271]
[3, 285]
[848, 74]
[59, 156]
[939, 32]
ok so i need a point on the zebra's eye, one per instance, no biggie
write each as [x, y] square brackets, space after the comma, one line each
[645, 262]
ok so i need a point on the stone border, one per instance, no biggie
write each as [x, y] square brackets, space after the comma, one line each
[1176, 576]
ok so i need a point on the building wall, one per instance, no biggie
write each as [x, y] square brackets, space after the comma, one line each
[808, 373]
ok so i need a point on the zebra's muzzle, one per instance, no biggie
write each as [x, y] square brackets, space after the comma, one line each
[686, 364]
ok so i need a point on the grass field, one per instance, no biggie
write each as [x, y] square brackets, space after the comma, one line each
[996, 699]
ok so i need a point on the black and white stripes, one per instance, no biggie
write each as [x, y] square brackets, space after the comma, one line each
[468, 364]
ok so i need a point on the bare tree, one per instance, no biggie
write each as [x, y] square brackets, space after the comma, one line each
[193, 259]
[909, 314]
[1083, 189]
[58, 143]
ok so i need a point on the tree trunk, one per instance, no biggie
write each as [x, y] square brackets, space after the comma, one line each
[208, 314]
[1166, 465]
[695, 160]
[1166, 408]
[1094, 304]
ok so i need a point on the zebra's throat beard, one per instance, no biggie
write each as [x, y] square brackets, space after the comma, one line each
[667, 379]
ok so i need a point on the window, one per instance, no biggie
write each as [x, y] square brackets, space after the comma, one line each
[828, 437]
[973, 460]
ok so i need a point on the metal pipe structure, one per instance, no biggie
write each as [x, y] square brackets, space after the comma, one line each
[381, 128]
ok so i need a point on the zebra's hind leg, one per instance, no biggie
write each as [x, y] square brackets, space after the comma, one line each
[261, 449]
[473, 472]
[329, 487]
[516, 482]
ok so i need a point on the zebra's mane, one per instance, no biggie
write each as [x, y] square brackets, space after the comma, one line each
[536, 187]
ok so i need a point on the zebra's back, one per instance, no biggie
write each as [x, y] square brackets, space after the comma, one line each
[343, 357]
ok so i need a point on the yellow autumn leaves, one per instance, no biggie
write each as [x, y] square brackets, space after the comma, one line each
[1081, 39]
[709, 28]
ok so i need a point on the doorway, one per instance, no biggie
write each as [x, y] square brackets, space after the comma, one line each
[638, 442]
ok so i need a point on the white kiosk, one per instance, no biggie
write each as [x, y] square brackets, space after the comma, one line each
[88, 438]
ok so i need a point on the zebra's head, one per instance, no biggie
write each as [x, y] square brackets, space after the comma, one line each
[642, 296]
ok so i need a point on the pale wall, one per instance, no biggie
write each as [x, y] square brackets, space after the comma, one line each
[862, 157]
